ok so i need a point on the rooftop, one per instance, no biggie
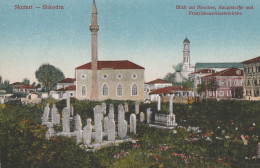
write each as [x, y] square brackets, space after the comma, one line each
[257, 59]
[158, 81]
[67, 80]
[122, 64]
[228, 72]
[204, 71]
[69, 88]
[218, 65]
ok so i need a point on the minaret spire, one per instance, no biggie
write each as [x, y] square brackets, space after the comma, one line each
[94, 56]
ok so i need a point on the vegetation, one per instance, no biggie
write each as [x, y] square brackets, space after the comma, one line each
[170, 77]
[23, 143]
[26, 81]
[48, 76]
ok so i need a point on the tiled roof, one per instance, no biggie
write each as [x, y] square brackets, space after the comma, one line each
[228, 72]
[17, 83]
[169, 90]
[204, 71]
[27, 87]
[176, 88]
[257, 59]
[67, 80]
[219, 65]
[69, 88]
[124, 64]
[158, 81]
[161, 91]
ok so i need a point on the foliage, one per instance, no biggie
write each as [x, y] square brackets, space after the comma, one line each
[48, 76]
[34, 84]
[177, 67]
[26, 81]
[23, 143]
[170, 77]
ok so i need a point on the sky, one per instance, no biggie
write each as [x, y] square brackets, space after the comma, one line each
[149, 33]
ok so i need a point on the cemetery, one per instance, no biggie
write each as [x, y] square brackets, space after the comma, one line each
[72, 133]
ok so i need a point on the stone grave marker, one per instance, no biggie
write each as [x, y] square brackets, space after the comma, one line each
[142, 117]
[78, 128]
[66, 119]
[87, 131]
[55, 116]
[122, 124]
[46, 113]
[133, 123]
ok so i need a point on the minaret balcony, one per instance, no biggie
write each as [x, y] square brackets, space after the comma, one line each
[94, 27]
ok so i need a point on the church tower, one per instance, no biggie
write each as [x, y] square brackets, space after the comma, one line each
[94, 55]
[186, 54]
[186, 67]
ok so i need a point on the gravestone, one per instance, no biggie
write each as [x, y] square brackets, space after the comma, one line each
[104, 106]
[258, 150]
[142, 117]
[159, 103]
[126, 107]
[87, 131]
[98, 115]
[66, 119]
[171, 104]
[68, 100]
[71, 111]
[148, 115]
[55, 116]
[46, 113]
[51, 132]
[111, 131]
[106, 124]
[122, 124]
[106, 119]
[133, 123]
[78, 128]
[2, 100]
[136, 107]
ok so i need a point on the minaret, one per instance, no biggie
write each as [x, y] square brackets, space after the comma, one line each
[94, 58]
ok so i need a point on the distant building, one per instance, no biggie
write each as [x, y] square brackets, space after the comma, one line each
[66, 83]
[100, 80]
[25, 89]
[64, 92]
[153, 85]
[186, 66]
[196, 77]
[177, 91]
[218, 66]
[15, 86]
[31, 98]
[225, 84]
[251, 82]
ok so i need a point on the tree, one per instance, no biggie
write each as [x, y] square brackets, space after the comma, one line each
[6, 86]
[201, 88]
[48, 76]
[26, 81]
[34, 84]
[170, 77]
[177, 67]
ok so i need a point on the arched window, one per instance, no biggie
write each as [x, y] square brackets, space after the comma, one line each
[119, 90]
[105, 90]
[134, 90]
[83, 90]
[185, 46]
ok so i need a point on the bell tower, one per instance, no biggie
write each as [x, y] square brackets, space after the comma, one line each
[186, 55]
[94, 55]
